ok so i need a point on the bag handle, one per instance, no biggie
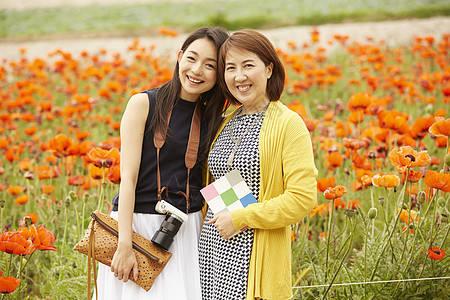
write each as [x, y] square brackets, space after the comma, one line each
[190, 157]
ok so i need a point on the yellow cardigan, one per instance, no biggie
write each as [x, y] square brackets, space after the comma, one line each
[287, 194]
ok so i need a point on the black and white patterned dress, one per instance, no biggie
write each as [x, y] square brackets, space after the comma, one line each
[224, 263]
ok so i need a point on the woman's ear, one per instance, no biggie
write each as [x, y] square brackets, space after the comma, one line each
[179, 55]
[269, 70]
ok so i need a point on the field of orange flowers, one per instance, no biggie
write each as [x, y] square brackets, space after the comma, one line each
[380, 127]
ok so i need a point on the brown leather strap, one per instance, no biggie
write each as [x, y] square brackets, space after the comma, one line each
[159, 139]
[91, 256]
[191, 152]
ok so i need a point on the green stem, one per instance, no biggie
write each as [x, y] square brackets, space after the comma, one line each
[328, 241]
[350, 237]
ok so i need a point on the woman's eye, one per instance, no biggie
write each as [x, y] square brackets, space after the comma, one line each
[229, 68]
[210, 66]
[248, 65]
[190, 58]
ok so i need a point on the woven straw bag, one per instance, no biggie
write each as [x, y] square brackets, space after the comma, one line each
[100, 243]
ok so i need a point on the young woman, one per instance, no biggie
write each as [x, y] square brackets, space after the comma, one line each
[271, 148]
[170, 107]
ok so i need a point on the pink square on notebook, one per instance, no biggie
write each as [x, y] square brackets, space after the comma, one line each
[209, 192]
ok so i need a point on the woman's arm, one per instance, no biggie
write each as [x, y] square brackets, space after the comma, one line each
[298, 194]
[132, 129]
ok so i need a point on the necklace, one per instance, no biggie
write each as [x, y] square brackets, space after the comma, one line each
[237, 141]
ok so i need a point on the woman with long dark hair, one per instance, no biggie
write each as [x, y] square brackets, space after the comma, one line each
[151, 172]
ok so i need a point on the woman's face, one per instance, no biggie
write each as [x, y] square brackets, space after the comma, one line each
[246, 77]
[197, 69]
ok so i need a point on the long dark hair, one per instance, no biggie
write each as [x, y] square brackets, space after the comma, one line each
[214, 99]
[253, 41]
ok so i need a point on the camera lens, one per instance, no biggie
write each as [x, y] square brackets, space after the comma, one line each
[167, 231]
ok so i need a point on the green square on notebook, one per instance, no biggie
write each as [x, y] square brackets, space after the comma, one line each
[229, 197]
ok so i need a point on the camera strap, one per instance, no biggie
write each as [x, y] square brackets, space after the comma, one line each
[190, 157]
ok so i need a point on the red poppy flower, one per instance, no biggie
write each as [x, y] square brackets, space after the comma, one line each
[406, 158]
[334, 193]
[440, 181]
[413, 176]
[8, 284]
[15, 243]
[436, 253]
[76, 180]
[42, 238]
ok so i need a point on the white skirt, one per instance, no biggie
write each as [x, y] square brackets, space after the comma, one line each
[179, 280]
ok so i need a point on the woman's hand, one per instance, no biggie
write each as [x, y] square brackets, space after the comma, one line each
[224, 224]
[123, 263]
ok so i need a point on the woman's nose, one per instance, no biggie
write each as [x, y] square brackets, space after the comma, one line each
[240, 77]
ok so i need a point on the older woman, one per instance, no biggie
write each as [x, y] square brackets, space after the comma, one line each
[270, 146]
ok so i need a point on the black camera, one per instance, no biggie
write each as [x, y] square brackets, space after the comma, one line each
[170, 226]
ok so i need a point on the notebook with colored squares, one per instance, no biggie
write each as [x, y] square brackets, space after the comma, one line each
[228, 193]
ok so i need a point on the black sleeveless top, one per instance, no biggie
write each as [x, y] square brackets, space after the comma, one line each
[171, 161]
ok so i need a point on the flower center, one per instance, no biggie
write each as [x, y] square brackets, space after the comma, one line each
[437, 252]
[410, 156]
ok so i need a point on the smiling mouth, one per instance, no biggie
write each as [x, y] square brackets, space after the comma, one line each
[193, 80]
[243, 88]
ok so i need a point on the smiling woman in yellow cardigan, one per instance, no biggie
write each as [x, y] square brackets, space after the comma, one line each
[287, 190]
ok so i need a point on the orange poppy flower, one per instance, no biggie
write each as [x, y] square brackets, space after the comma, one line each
[96, 173]
[359, 101]
[335, 159]
[334, 193]
[413, 176]
[339, 203]
[324, 183]
[76, 180]
[102, 158]
[8, 284]
[441, 127]
[31, 130]
[15, 243]
[33, 217]
[113, 174]
[388, 181]
[22, 199]
[48, 189]
[14, 190]
[440, 181]
[354, 144]
[42, 238]
[408, 217]
[4, 143]
[420, 127]
[406, 158]
[47, 172]
[168, 32]
[59, 145]
[435, 253]
[318, 209]
[354, 203]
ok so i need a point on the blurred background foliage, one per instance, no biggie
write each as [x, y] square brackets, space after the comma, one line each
[143, 19]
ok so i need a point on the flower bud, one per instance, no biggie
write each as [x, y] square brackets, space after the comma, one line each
[411, 226]
[349, 212]
[73, 196]
[441, 201]
[67, 201]
[447, 159]
[381, 200]
[372, 213]
[2, 203]
[421, 197]
[86, 197]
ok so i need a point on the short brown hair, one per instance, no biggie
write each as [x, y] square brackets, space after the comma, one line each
[255, 42]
